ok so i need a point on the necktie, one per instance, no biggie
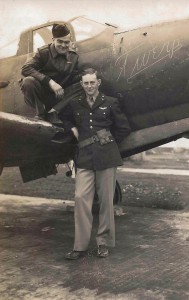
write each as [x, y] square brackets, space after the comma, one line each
[91, 101]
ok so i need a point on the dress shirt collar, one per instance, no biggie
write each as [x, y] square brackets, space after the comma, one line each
[93, 97]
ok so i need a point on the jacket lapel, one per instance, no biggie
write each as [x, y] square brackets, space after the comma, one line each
[83, 101]
[99, 100]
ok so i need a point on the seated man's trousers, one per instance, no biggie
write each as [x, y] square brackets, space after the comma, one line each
[42, 98]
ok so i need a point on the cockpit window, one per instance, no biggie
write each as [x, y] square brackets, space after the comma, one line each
[85, 28]
[41, 37]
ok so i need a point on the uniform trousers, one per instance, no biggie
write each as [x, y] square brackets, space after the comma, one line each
[87, 182]
[42, 98]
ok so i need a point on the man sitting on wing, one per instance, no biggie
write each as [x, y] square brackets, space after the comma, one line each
[50, 74]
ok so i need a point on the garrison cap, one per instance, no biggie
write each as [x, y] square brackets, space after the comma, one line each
[60, 30]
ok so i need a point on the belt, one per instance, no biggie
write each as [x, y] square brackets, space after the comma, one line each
[103, 136]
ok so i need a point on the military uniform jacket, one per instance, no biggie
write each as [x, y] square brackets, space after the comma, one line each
[47, 64]
[104, 114]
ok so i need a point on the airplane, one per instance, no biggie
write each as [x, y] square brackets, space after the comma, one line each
[146, 68]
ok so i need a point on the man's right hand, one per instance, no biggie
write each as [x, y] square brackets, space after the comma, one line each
[57, 89]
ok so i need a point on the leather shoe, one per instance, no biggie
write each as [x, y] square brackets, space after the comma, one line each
[102, 251]
[73, 255]
[53, 118]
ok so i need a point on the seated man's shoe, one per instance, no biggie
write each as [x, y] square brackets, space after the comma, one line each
[102, 251]
[53, 118]
[73, 255]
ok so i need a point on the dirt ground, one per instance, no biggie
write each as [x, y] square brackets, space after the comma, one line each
[150, 261]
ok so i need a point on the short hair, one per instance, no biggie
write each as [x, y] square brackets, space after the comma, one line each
[89, 71]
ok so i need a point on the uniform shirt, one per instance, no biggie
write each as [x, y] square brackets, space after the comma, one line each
[104, 114]
[48, 64]
[91, 100]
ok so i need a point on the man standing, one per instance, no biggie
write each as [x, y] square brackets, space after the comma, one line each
[52, 69]
[98, 123]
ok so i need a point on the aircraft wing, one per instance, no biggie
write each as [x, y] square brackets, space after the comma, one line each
[147, 138]
[35, 146]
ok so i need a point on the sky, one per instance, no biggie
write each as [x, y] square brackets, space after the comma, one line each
[18, 15]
